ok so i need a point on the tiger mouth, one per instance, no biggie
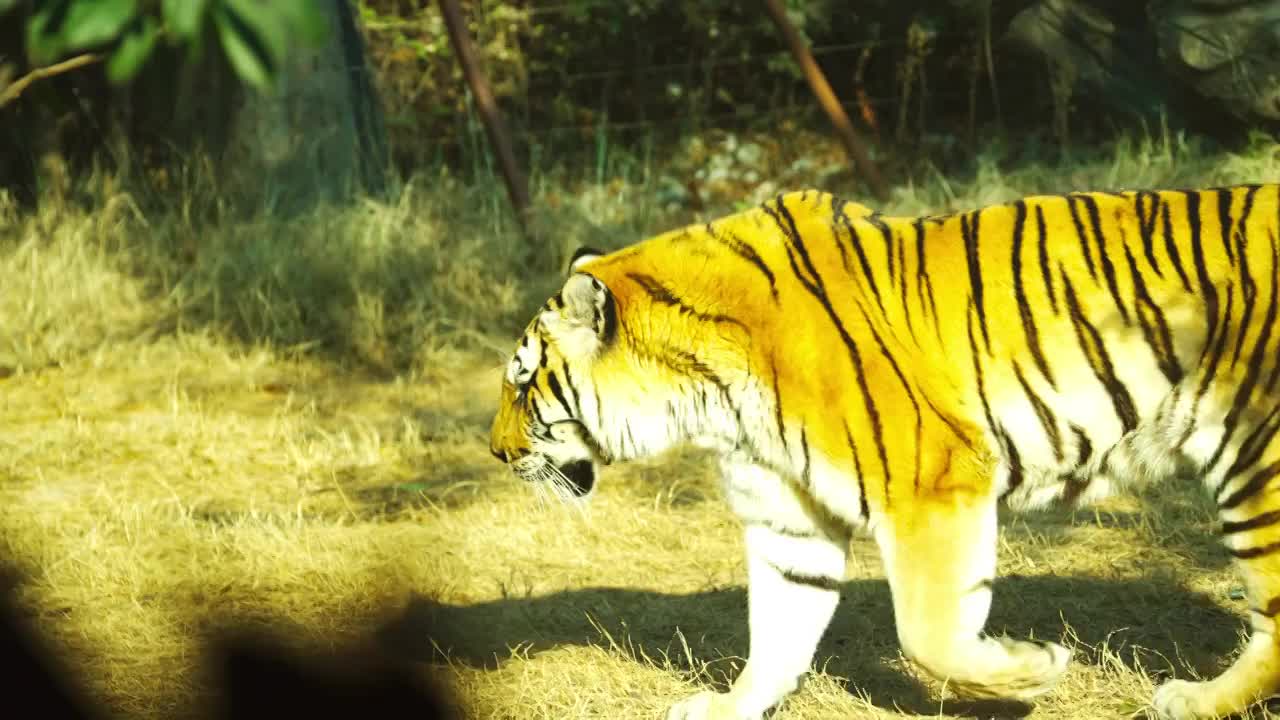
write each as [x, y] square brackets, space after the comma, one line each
[576, 477]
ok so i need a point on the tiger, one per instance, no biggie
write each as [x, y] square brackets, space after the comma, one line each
[903, 377]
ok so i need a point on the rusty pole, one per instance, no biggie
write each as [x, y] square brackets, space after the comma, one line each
[495, 128]
[827, 99]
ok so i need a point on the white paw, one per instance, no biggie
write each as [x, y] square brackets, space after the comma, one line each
[1180, 700]
[1043, 665]
[706, 705]
[1022, 670]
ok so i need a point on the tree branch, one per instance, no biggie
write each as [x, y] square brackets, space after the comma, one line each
[13, 90]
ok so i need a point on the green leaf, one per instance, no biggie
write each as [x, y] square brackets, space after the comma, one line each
[44, 41]
[305, 19]
[183, 16]
[268, 24]
[7, 5]
[94, 22]
[133, 51]
[245, 45]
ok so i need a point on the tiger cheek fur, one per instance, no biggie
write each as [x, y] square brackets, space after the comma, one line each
[903, 376]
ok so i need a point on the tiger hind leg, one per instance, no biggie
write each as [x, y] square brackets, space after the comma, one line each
[1249, 508]
[940, 557]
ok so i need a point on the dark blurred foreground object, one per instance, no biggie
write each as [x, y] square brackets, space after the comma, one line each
[1141, 56]
[248, 678]
[33, 678]
[262, 679]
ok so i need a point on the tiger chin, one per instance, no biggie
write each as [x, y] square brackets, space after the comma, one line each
[902, 377]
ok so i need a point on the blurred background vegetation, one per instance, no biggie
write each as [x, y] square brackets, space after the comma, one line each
[227, 125]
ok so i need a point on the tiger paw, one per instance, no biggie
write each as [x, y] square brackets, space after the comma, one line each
[1040, 666]
[707, 705]
[1003, 668]
[1182, 700]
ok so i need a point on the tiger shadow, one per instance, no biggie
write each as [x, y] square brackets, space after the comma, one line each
[1147, 623]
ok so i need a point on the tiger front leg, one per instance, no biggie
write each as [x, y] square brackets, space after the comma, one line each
[940, 557]
[1249, 509]
[794, 568]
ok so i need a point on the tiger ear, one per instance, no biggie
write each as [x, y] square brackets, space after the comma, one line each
[582, 256]
[586, 317]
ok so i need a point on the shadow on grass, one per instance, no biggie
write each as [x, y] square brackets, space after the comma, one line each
[1161, 618]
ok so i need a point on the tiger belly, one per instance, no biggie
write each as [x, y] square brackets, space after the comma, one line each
[1074, 446]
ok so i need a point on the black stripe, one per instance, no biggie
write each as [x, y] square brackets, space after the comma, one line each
[686, 363]
[1271, 610]
[857, 471]
[1245, 389]
[1275, 287]
[996, 429]
[782, 217]
[902, 287]
[664, 295]
[856, 242]
[1081, 235]
[1047, 420]
[820, 582]
[924, 283]
[1014, 460]
[537, 413]
[804, 447]
[1249, 288]
[803, 534]
[969, 228]
[777, 401]
[1171, 245]
[1255, 484]
[746, 252]
[921, 269]
[1084, 446]
[631, 438]
[1250, 451]
[1225, 221]
[1155, 329]
[1029, 328]
[1108, 269]
[906, 386]
[1217, 348]
[573, 390]
[1100, 362]
[837, 212]
[1147, 225]
[1207, 288]
[1254, 552]
[1266, 519]
[609, 328]
[1044, 259]
[886, 233]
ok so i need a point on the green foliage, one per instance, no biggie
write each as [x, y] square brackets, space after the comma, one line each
[256, 36]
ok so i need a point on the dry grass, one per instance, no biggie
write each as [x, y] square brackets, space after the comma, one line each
[287, 426]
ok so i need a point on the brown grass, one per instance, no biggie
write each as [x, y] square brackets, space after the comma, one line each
[188, 442]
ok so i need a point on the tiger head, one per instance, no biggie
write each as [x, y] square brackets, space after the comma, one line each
[547, 412]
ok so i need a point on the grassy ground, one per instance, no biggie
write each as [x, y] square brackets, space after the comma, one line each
[210, 419]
